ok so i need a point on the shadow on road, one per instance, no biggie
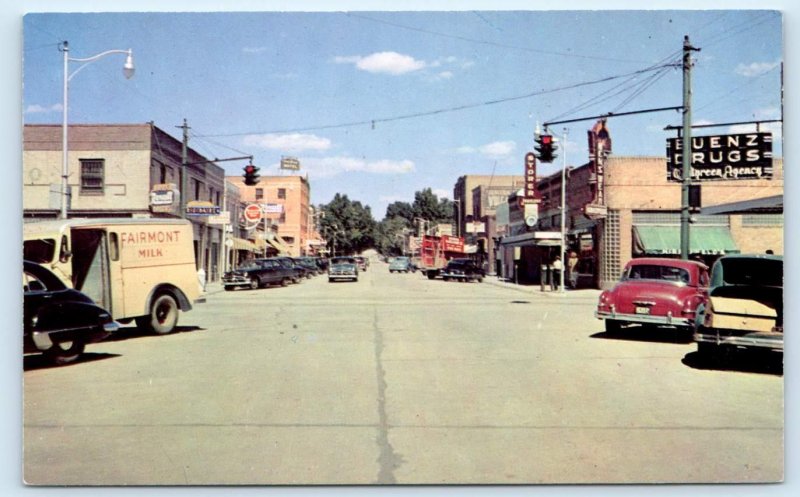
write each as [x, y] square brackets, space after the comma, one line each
[744, 361]
[35, 362]
[639, 333]
[133, 332]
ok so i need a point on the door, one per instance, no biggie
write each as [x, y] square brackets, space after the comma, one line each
[90, 268]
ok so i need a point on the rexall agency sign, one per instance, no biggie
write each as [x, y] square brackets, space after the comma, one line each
[723, 157]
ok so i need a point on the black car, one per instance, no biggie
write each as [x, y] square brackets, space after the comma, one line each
[59, 321]
[308, 266]
[257, 273]
[298, 272]
[462, 270]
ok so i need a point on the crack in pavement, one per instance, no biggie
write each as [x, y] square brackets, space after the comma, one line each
[388, 460]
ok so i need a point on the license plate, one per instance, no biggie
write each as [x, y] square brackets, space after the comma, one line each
[642, 310]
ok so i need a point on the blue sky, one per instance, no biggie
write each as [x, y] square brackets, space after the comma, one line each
[380, 104]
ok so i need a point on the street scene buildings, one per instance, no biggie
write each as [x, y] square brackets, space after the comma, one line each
[394, 259]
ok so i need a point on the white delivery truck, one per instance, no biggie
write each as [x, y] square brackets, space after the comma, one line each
[142, 269]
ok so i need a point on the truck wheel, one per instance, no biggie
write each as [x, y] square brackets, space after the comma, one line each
[431, 275]
[65, 352]
[163, 315]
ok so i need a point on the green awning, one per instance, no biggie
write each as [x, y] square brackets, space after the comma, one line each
[666, 240]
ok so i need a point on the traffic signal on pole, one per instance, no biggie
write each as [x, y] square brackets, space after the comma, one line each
[250, 175]
[545, 146]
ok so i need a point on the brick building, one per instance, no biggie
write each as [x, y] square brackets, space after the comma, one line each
[114, 170]
[286, 201]
[640, 216]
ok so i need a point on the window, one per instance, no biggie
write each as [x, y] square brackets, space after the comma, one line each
[259, 194]
[281, 192]
[92, 176]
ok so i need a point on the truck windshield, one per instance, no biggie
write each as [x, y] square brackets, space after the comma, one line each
[40, 251]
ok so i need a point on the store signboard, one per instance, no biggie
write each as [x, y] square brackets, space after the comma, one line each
[744, 156]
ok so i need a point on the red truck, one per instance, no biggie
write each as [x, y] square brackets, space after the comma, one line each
[435, 251]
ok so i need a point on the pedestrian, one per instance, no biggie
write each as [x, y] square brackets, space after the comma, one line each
[572, 269]
[555, 275]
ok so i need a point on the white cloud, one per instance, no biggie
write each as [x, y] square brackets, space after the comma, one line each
[40, 109]
[384, 62]
[290, 142]
[326, 167]
[755, 68]
[498, 149]
[466, 150]
[442, 193]
[254, 49]
[445, 75]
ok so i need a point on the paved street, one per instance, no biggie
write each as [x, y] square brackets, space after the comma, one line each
[398, 379]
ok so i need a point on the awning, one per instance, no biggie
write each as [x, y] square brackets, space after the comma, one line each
[766, 205]
[259, 245]
[666, 240]
[533, 239]
[278, 245]
[240, 244]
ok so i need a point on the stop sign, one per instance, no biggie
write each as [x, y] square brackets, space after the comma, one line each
[252, 213]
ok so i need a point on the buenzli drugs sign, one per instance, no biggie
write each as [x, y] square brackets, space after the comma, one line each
[723, 157]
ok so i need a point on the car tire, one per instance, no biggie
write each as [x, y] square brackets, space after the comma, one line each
[479, 280]
[229, 288]
[254, 283]
[65, 353]
[285, 282]
[163, 315]
[613, 326]
[330, 280]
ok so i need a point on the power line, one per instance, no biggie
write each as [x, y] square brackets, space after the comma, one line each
[372, 122]
[488, 43]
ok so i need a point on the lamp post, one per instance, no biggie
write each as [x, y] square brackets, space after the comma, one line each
[127, 70]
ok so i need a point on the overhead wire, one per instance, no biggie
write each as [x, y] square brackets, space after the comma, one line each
[372, 122]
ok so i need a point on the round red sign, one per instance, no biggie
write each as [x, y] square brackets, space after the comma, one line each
[252, 212]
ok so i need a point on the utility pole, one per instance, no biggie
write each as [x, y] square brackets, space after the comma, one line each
[184, 162]
[687, 144]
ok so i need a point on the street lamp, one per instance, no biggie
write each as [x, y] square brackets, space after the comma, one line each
[127, 70]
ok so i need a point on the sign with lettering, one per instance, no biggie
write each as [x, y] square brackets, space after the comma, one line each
[202, 208]
[723, 157]
[271, 208]
[530, 176]
[453, 243]
[290, 163]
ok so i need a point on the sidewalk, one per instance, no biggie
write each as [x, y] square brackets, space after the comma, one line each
[581, 293]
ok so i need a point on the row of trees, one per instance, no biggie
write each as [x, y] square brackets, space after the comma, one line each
[349, 227]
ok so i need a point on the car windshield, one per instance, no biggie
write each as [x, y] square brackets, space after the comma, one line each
[343, 260]
[656, 272]
[249, 265]
[756, 272]
[39, 251]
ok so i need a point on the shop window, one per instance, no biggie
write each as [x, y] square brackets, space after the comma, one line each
[92, 176]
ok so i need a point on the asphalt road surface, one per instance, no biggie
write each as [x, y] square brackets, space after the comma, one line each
[396, 379]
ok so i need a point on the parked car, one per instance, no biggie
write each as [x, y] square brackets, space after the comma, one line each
[343, 268]
[310, 264]
[298, 273]
[257, 273]
[363, 262]
[59, 321]
[744, 308]
[462, 270]
[400, 265]
[656, 291]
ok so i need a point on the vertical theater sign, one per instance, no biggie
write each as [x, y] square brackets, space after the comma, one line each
[599, 148]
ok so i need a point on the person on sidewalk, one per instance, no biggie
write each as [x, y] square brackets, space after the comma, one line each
[572, 269]
[555, 274]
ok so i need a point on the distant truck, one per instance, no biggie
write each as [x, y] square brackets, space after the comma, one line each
[435, 251]
[137, 269]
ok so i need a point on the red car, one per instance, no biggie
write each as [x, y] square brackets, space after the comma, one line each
[655, 291]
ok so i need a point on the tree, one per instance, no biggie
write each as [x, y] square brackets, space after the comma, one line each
[347, 225]
[390, 235]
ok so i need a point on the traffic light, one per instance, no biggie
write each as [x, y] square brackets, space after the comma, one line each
[250, 175]
[545, 146]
